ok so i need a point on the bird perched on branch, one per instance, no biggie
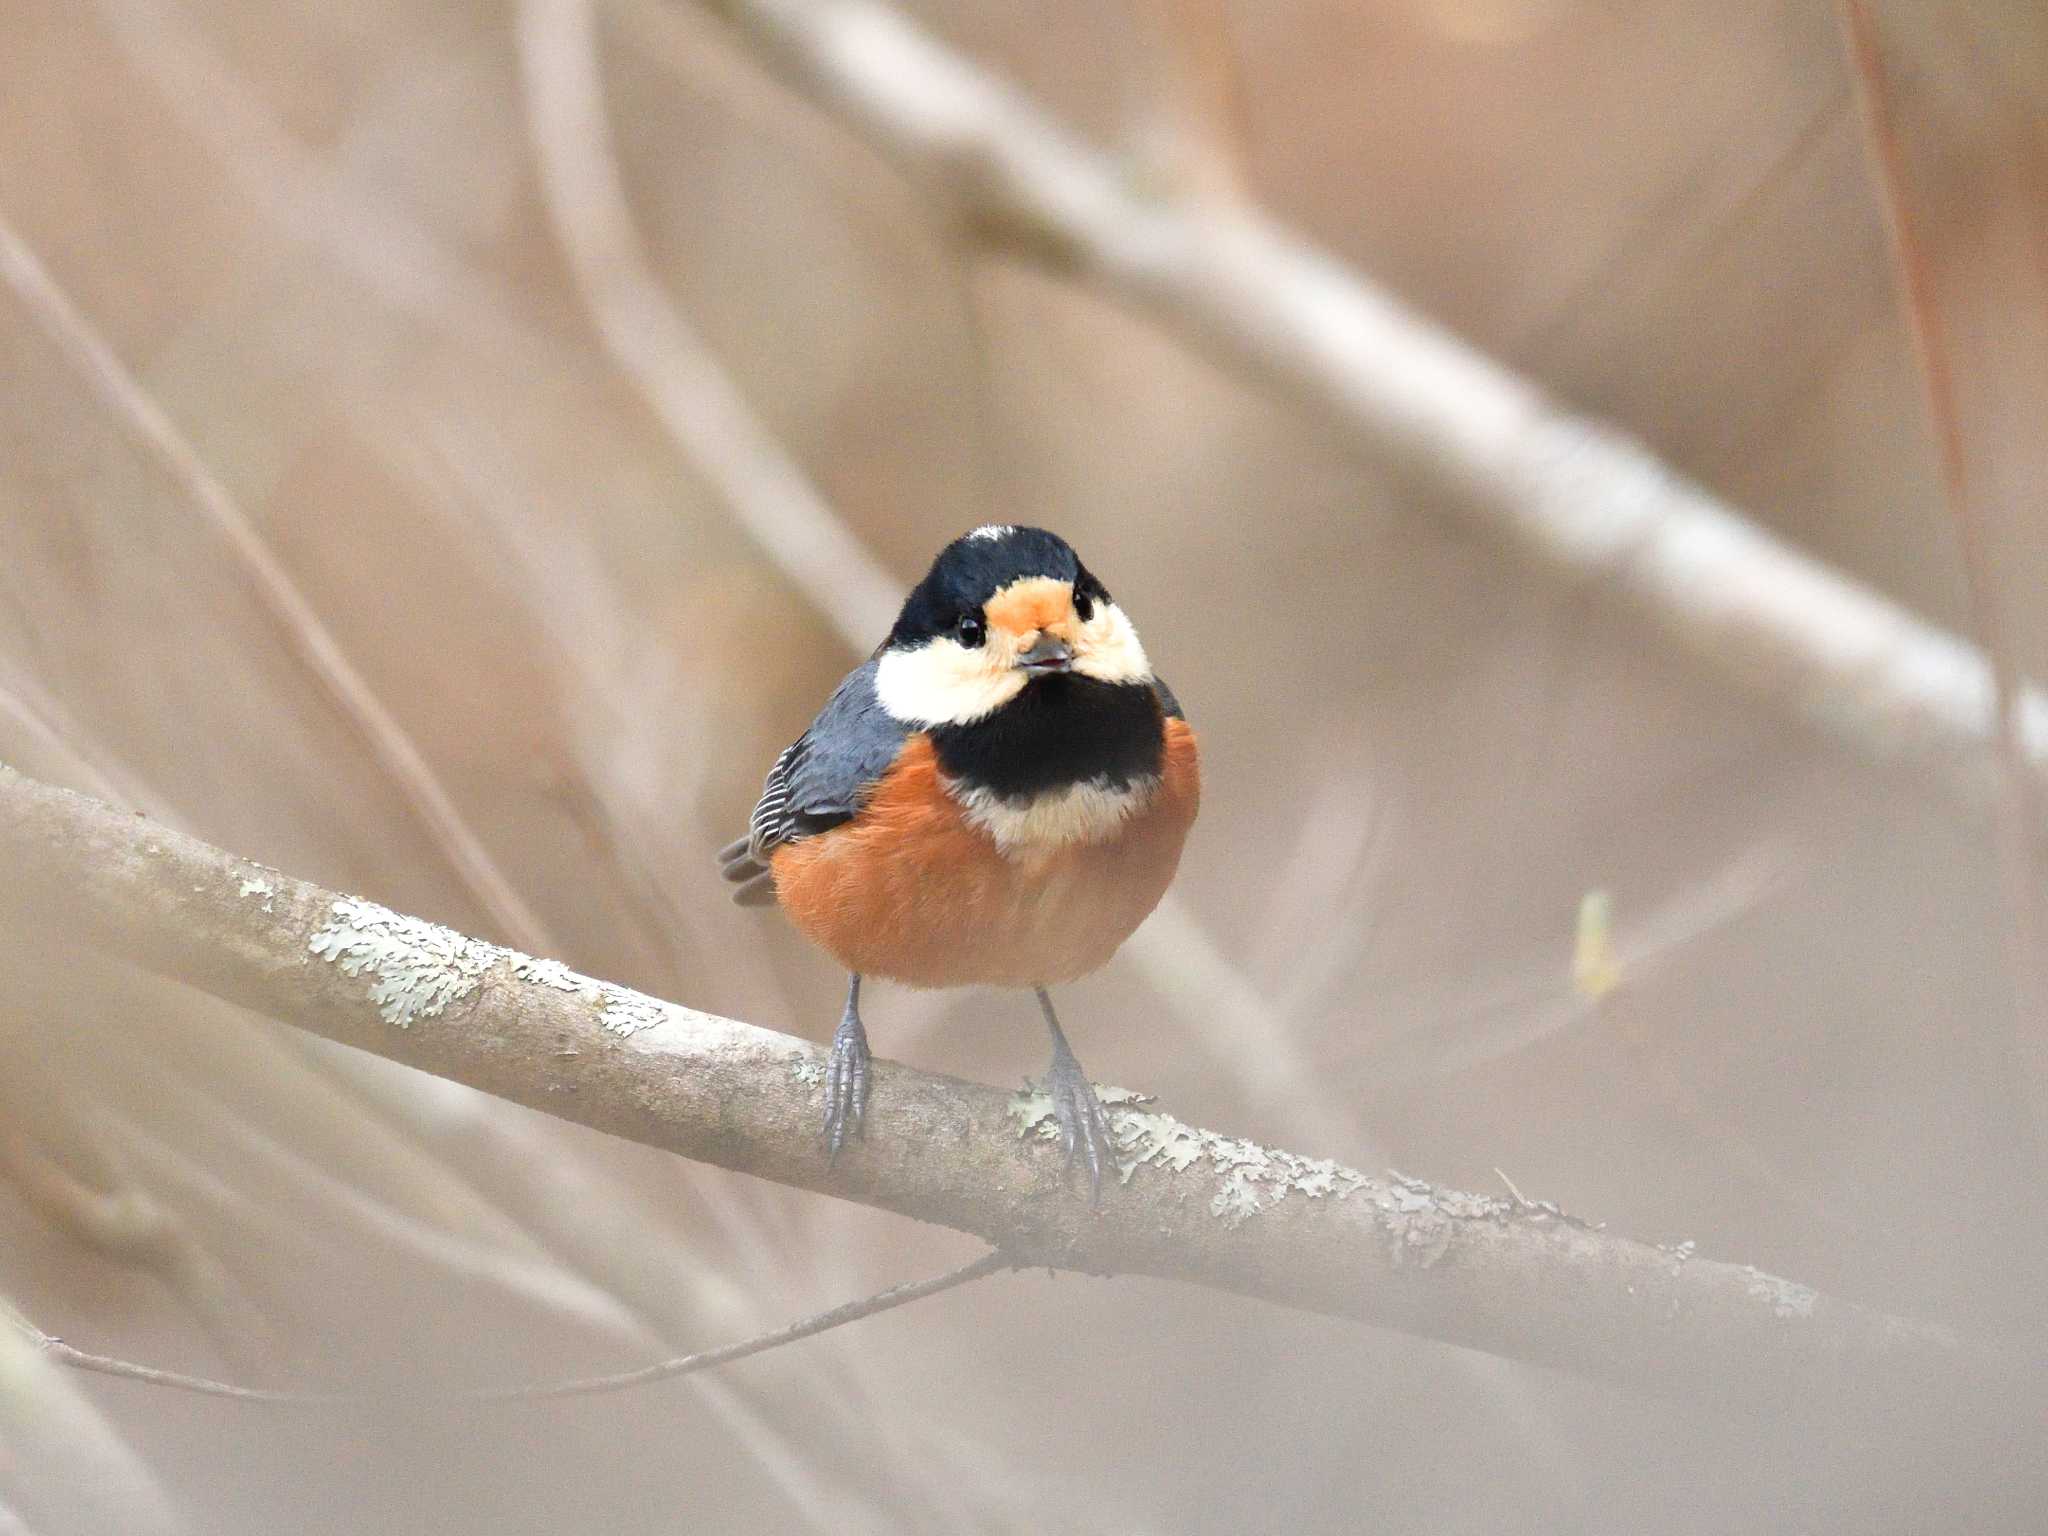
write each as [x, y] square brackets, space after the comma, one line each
[998, 796]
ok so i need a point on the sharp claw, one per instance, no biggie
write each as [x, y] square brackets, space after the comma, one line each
[1084, 1126]
[846, 1085]
[1104, 1148]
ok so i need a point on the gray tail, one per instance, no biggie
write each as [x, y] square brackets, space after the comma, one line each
[754, 881]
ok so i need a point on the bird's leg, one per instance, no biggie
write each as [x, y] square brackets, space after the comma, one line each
[1084, 1128]
[846, 1080]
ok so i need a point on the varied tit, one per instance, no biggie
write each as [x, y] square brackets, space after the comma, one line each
[997, 797]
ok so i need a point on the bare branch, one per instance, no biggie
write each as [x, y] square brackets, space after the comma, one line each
[124, 1223]
[2019, 805]
[582, 1386]
[46, 724]
[1500, 1276]
[1195, 130]
[63, 1458]
[1468, 436]
[696, 400]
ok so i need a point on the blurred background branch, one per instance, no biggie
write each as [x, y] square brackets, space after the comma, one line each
[762, 486]
[582, 1386]
[307, 636]
[2019, 800]
[1461, 433]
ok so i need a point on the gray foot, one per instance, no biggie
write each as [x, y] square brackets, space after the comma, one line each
[846, 1079]
[1084, 1128]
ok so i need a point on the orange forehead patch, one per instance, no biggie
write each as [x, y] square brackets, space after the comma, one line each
[1037, 602]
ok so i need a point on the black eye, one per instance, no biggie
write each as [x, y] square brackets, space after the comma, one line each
[1084, 603]
[969, 629]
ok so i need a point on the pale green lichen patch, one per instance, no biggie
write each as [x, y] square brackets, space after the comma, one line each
[419, 968]
[1031, 1107]
[1167, 1142]
[806, 1071]
[258, 889]
[1423, 1222]
[1410, 1197]
[1785, 1298]
[416, 968]
[627, 1013]
[621, 1011]
[551, 973]
[1253, 1178]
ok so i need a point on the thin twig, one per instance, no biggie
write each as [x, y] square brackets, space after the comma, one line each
[306, 633]
[695, 399]
[1919, 298]
[44, 720]
[582, 1386]
[1520, 1198]
[59, 1449]
[113, 1214]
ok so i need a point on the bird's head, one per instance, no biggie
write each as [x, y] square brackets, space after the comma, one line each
[1001, 608]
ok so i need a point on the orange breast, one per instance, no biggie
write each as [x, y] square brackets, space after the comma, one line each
[911, 890]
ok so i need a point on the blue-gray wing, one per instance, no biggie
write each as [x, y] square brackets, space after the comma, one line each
[817, 783]
[1167, 701]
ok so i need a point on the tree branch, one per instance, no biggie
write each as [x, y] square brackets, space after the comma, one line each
[1468, 436]
[1920, 301]
[756, 478]
[306, 635]
[1514, 1279]
[582, 1386]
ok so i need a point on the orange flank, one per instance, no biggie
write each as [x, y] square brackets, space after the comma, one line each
[912, 890]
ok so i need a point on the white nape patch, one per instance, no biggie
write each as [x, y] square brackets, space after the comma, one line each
[1090, 812]
[1108, 648]
[942, 682]
[993, 531]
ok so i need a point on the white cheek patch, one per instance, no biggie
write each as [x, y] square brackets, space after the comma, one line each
[1109, 650]
[1091, 812]
[944, 683]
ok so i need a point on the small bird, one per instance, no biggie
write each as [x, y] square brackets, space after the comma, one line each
[998, 796]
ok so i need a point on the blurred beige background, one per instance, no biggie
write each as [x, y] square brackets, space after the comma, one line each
[342, 345]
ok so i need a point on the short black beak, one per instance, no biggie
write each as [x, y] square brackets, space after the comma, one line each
[1047, 654]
